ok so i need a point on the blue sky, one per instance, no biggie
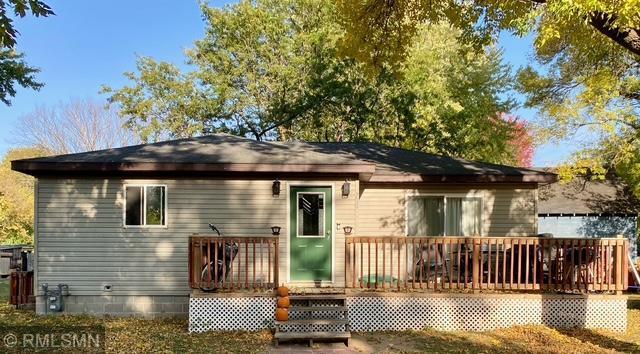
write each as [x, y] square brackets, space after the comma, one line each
[91, 43]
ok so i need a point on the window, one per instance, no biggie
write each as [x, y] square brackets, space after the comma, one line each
[145, 206]
[444, 216]
[311, 214]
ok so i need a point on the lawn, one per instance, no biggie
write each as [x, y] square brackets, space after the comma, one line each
[4, 290]
[134, 335]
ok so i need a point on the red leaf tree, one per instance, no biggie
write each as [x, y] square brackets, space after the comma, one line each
[521, 140]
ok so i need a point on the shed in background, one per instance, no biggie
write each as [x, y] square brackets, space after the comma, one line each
[589, 208]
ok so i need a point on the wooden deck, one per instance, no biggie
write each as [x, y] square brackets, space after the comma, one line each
[233, 263]
[487, 263]
[415, 264]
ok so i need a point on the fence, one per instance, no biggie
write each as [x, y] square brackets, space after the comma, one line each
[21, 288]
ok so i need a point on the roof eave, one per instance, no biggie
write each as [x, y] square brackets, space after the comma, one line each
[36, 168]
[476, 178]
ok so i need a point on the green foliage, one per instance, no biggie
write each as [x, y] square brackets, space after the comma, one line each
[629, 170]
[16, 199]
[380, 31]
[587, 53]
[251, 71]
[586, 90]
[273, 70]
[162, 100]
[21, 8]
[15, 71]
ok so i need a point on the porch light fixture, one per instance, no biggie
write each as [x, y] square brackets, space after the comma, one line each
[276, 188]
[275, 230]
[347, 230]
[346, 189]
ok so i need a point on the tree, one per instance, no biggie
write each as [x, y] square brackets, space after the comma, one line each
[252, 67]
[591, 91]
[8, 34]
[381, 31]
[520, 143]
[444, 100]
[272, 70]
[584, 90]
[16, 198]
[75, 126]
[13, 69]
[585, 82]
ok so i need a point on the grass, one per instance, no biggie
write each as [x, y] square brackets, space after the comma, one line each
[4, 290]
[135, 335]
[520, 339]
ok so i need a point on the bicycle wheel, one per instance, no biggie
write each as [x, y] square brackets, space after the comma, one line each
[204, 284]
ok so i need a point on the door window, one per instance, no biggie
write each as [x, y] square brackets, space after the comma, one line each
[311, 214]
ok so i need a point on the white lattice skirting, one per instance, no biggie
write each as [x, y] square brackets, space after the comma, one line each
[231, 313]
[472, 312]
[478, 313]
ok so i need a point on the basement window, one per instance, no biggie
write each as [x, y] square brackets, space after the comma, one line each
[145, 206]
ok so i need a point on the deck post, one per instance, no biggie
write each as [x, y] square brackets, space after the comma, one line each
[476, 264]
[347, 268]
[276, 266]
[620, 258]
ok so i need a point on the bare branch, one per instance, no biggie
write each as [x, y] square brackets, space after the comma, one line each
[75, 126]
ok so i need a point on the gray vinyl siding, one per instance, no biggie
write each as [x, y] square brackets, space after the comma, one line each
[81, 240]
[508, 210]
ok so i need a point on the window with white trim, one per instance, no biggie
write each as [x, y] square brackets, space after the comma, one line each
[444, 216]
[145, 205]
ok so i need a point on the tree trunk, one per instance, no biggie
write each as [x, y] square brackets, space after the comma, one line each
[629, 39]
[603, 23]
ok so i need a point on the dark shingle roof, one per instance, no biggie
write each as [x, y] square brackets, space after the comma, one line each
[222, 152]
[414, 165]
[582, 196]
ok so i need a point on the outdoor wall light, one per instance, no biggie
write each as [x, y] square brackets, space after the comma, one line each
[346, 189]
[347, 230]
[275, 230]
[276, 188]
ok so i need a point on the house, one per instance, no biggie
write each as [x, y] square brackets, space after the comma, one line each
[589, 208]
[394, 239]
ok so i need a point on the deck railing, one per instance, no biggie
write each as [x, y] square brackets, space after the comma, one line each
[508, 263]
[219, 262]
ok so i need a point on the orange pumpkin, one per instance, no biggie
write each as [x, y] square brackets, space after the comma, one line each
[282, 314]
[283, 302]
[282, 291]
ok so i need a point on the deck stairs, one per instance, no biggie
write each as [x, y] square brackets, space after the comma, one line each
[315, 316]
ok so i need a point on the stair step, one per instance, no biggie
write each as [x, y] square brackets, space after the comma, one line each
[317, 321]
[318, 297]
[317, 308]
[312, 335]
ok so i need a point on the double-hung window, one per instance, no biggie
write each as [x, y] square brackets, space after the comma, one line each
[444, 216]
[145, 205]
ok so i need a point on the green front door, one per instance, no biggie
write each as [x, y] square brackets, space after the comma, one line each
[310, 233]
